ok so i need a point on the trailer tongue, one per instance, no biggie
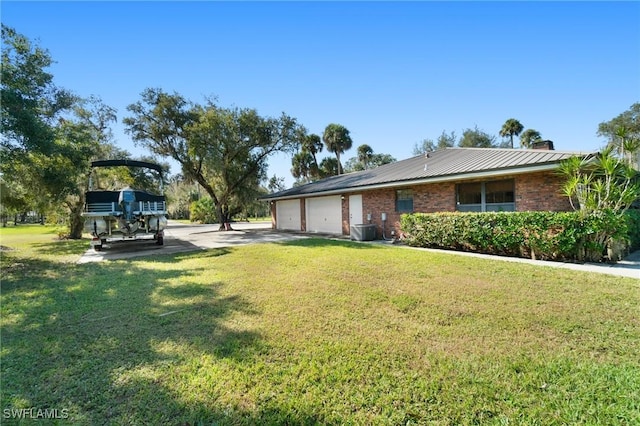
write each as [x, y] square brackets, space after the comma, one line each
[127, 214]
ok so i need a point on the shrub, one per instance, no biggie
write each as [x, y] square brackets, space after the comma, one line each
[539, 235]
[633, 228]
[203, 211]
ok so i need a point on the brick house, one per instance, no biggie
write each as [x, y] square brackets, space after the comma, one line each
[447, 180]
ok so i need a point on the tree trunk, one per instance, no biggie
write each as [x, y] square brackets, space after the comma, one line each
[76, 222]
[223, 218]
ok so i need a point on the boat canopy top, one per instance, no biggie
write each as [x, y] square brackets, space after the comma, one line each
[132, 163]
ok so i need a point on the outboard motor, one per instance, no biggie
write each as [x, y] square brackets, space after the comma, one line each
[127, 199]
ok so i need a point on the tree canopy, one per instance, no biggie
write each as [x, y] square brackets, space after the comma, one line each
[225, 150]
[629, 119]
[476, 138]
[48, 135]
[427, 145]
[367, 159]
[31, 103]
[623, 134]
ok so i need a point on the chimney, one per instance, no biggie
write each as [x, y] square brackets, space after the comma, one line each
[545, 145]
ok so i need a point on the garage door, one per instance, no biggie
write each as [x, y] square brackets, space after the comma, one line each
[288, 215]
[324, 214]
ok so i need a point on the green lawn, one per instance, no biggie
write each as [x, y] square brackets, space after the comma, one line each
[313, 331]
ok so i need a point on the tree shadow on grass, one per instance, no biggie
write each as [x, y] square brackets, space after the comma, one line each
[62, 247]
[112, 343]
[197, 253]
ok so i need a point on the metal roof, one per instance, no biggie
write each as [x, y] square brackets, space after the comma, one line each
[437, 166]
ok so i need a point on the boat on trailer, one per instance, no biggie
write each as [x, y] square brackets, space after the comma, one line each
[127, 214]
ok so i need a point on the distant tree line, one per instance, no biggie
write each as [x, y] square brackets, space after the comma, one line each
[477, 138]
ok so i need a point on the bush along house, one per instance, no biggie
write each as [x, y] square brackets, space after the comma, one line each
[447, 180]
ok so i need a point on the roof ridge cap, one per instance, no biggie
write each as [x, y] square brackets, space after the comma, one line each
[478, 148]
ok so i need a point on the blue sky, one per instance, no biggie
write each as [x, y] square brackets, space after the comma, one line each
[393, 73]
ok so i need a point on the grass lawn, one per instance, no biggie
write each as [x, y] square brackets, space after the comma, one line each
[313, 331]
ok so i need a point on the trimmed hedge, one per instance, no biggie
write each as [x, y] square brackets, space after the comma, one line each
[569, 236]
[633, 229]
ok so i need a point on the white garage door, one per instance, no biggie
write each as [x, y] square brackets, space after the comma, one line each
[288, 215]
[324, 214]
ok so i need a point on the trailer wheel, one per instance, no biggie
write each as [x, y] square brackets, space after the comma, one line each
[160, 241]
[98, 247]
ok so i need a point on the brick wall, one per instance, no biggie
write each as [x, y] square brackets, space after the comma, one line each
[380, 201]
[540, 192]
[438, 197]
[533, 192]
[345, 216]
[303, 215]
[272, 204]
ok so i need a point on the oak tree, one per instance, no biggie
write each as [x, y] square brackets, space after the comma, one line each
[224, 150]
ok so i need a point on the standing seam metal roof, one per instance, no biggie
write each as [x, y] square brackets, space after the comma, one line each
[437, 164]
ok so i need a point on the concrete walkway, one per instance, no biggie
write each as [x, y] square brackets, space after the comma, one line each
[629, 267]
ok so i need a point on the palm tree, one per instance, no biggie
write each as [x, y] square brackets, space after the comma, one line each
[337, 140]
[528, 137]
[365, 152]
[313, 145]
[511, 128]
[328, 167]
[302, 166]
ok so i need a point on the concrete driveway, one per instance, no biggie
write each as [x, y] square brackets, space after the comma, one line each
[179, 237]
